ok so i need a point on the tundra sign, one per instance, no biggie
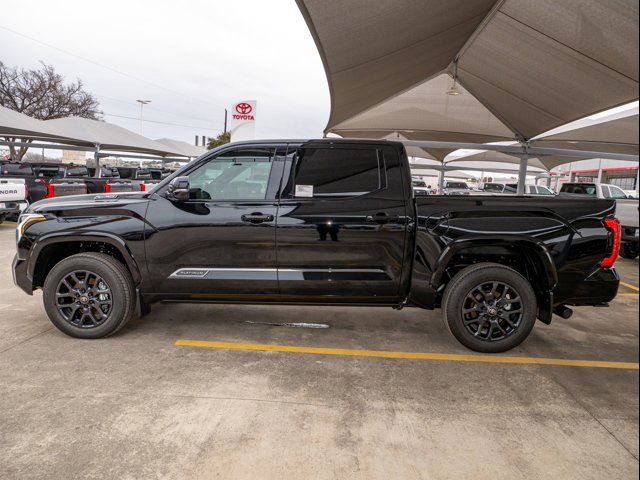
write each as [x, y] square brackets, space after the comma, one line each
[243, 117]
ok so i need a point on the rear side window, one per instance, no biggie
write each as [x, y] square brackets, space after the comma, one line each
[330, 172]
[48, 172]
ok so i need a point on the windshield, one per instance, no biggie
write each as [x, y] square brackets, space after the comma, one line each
[419, 183]
[585, 189]
[16, 169]
[461, 185]
[493, 187]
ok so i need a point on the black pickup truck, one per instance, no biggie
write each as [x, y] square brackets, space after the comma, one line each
[323, 222]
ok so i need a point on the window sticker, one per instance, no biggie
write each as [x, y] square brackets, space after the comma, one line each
[304, 190]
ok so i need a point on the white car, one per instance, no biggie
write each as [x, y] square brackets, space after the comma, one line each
[456, 188]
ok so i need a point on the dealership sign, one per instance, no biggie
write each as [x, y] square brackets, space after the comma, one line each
[243, 117]
[243, 111]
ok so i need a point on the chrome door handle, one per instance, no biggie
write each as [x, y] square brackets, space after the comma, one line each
[256, 218]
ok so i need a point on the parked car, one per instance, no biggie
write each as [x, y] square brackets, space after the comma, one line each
[61, 179]
[70, 179]
[626, 211]
[420, 187]
[512, 188]
[36, 188]
[321, 222]
[456, 188]
[146, 177]
[13, 197]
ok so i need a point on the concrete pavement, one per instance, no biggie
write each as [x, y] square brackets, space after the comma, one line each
[137, 406]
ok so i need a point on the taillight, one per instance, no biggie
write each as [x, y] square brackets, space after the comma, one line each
[613, 225]
[107, 188]
[51, 191]
[143, 187]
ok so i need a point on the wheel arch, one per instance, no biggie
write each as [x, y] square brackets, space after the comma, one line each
[50, 249]
[528, 256]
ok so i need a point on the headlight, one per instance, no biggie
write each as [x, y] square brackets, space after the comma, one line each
[25, 221]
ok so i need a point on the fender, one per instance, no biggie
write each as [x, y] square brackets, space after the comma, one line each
[103, 237]
[548, 281]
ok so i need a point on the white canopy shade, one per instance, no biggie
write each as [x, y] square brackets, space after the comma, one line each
[86, 132]
[532, 65]
[16, 124]
[185, 148]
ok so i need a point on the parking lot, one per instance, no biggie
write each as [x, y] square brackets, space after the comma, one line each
[194, 391]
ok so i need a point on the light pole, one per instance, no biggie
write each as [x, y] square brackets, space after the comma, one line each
[142, 104]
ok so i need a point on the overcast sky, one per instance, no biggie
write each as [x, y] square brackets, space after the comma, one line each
[198, 57]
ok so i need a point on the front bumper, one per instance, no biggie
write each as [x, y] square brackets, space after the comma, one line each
[21, 276]
[599, 288]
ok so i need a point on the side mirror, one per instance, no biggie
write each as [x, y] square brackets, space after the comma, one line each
[179, 189]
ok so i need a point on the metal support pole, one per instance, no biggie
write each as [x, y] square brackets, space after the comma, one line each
[440, 182]
[522, 174]
[96, 156]
[599, 179]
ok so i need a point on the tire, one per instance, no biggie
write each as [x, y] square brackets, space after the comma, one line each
[119, 302]
[480, 328]
[629, 250]
[2, 217]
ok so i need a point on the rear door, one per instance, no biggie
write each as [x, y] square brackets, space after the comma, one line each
[342, 229]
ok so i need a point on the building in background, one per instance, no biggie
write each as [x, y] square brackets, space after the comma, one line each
[615, 172]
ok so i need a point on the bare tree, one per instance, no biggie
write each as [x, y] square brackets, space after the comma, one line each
[43, 94]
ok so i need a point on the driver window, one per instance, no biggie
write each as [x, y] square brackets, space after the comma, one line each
[235, 175]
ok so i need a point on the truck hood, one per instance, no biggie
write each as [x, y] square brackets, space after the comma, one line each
[88, 204]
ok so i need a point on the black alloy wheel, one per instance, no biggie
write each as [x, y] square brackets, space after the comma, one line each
[492, 311]
[84, 299]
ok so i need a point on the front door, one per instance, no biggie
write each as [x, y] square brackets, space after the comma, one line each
[221, 242]
[342, 226]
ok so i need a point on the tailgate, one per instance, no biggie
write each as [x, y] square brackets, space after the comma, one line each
[13, 190]
[120, 186]
[66, 186]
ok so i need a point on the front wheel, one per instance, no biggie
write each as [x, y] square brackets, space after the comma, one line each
[89, 295]
[489, 307]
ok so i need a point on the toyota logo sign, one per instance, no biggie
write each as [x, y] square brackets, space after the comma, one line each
[244, 108]
[243, 111]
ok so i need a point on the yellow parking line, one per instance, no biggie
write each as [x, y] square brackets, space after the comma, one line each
[453, 357]
[628, 285]
[627, 295]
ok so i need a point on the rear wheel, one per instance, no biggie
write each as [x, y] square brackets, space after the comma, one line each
[489, 308]
[89, 295]
[629, 250]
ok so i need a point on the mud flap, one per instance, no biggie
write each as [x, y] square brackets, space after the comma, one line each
[545, 307]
